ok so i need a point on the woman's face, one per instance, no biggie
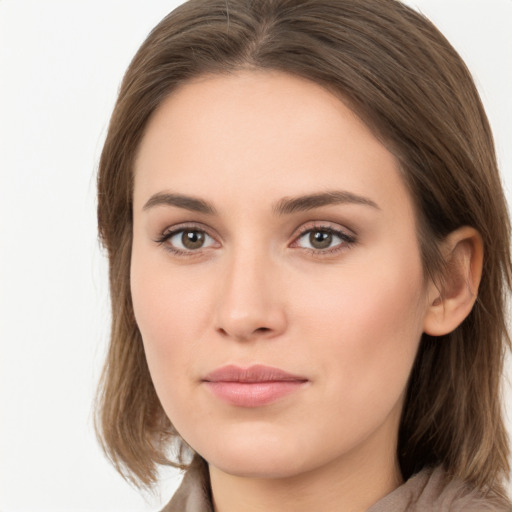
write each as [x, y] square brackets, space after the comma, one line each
[272, 229]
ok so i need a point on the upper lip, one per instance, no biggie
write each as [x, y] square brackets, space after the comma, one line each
[254, 373]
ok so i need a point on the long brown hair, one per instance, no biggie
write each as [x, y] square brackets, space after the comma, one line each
[403, 78]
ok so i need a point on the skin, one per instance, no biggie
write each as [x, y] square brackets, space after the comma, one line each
[260, 291]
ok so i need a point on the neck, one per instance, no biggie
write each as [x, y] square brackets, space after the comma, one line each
[352, 483]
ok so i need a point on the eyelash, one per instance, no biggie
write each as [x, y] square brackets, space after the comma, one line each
[346, 240]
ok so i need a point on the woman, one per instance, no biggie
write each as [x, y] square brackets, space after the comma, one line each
[309, 260]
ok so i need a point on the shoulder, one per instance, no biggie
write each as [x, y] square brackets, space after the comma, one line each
[433, 490]
[192, 495]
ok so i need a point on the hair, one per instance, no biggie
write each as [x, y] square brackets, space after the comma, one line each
[399, 74]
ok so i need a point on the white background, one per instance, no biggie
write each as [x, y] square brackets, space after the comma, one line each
[61, 63]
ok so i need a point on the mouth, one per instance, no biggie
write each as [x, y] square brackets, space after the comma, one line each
[255, 386]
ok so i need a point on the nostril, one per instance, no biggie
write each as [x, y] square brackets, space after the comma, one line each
[248, 334]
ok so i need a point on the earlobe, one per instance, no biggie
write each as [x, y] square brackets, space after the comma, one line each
[451, 300]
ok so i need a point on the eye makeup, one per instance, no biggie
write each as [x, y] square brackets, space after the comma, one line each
[191, 240]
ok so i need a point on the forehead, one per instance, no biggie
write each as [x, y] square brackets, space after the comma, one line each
[259, 135]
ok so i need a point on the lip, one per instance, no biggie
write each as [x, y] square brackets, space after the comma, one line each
[254, 386]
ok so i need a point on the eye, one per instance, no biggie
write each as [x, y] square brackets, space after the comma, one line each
[324, 239]
[186, 240]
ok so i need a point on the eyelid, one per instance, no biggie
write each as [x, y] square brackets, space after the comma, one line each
[172, 231]
[324, 226]
[346, 236]
[183, 226]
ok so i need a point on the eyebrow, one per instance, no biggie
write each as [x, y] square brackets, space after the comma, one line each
[289, 205]
[181, 201]
[285, 206]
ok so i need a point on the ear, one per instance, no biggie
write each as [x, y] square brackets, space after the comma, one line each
[451, 300]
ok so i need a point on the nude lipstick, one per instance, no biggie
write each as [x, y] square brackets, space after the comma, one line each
[255, 386]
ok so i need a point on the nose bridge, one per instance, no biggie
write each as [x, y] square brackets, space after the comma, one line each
[249, 303]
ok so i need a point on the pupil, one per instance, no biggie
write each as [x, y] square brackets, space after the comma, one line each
[192, 239]
[320, 239]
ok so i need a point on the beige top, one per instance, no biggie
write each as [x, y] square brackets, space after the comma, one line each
[426, 491]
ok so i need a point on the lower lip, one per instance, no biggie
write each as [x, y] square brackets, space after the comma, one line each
[253, 394]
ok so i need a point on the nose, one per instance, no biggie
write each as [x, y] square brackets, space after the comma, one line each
[251, 301]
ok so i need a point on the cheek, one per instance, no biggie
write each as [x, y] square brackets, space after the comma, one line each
[168, 321]
[368, 324]
[170, 311]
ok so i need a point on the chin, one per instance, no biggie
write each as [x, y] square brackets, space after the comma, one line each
[259, 457]
[257, 465]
